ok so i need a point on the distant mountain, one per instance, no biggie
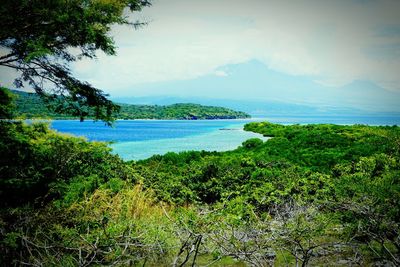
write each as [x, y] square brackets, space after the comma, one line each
[253, 87]
[257, 108]
[30, 105]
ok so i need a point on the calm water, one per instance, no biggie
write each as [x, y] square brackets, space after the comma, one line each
[344, 120]
[140, 139]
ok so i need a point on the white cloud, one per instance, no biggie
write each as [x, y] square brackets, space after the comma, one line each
[187, 39]
[220, 73]
[7, 76]
[335, 42]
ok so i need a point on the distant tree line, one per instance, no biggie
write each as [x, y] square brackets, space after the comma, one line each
[30, 105]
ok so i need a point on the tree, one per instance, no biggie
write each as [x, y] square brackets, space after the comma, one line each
[37, 39]
[6, 104]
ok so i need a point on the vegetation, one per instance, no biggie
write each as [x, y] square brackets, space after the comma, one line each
[180, 112]
[311, 195]
[41, 38]
[30, 105]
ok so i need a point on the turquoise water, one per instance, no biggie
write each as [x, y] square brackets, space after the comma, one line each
[140, 139]
[218, 140]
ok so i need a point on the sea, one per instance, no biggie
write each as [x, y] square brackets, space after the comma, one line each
[141, 139]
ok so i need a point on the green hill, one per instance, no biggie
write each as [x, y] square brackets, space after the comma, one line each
[30, 105]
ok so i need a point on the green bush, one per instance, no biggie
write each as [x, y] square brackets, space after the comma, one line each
[37, 162]
[252, 143]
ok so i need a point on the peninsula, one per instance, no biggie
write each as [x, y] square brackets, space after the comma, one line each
[31, 106]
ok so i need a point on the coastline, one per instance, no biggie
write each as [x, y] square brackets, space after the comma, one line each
[215, 140]
[174, 119]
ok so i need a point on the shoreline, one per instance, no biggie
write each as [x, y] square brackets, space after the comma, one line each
[220, 142]
[93, 120]
[284, 120]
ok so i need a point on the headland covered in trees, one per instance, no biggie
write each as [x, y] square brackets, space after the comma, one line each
[30, 105]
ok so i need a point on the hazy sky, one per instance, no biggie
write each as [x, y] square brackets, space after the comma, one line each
[331, 43]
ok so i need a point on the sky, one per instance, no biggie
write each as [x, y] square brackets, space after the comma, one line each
[326, 52]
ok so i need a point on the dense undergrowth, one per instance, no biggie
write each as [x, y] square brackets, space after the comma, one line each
[311, 195]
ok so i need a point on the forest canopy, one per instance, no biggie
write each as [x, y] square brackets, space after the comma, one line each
[311, 195]
[289, 199]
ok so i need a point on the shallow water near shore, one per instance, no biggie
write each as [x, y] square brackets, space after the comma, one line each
[218, 140]
[140, 139]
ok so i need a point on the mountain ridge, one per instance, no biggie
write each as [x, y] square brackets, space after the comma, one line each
[253, 80]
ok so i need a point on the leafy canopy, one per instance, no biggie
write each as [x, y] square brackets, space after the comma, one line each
[6, 103]
[37, 39]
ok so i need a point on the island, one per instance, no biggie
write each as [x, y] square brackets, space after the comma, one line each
[30, 106]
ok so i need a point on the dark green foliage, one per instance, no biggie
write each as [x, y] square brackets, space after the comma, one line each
[312, 194]
[7, 106]
[351, 173]
[37, 37]
[32, 106]
[252, 143]
[180, 112]
[298, 163]
[37, 162]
